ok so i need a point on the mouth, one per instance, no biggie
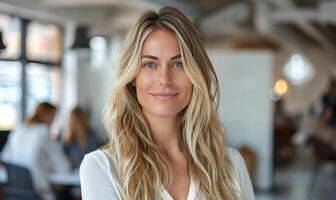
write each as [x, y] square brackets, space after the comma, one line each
[164, 96]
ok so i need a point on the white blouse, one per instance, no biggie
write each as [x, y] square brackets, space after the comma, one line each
[31, 146]
[99, 180]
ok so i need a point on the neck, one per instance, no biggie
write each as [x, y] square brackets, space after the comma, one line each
[165, 132]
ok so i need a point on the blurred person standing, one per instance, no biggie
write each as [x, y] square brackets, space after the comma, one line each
[79, 139]
[329, 104]
[30, 146]
[326, 128]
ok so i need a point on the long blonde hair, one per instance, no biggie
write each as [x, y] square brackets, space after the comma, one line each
[141, 166]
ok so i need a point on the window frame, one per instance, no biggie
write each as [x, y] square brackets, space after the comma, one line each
[25, 61]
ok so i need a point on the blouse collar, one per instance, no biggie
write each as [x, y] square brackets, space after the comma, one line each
[193, 189]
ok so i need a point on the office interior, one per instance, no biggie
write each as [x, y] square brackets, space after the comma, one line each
[275, 60]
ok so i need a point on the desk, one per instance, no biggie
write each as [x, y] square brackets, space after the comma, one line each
[66, 178]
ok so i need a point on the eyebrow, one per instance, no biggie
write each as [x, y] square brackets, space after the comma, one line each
[156, 58]
[176, 57]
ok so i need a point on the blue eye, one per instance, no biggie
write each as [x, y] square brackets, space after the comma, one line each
[149, 65]
[178, 65]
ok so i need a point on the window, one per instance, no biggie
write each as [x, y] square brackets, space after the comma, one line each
[10, 94]
[44, 42]
[10, 28]
[43, 84]
[30, 76]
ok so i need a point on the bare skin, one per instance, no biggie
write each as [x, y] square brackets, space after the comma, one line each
[164, 90]
[175, 153]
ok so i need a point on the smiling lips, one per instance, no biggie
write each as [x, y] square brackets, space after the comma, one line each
[164, 96]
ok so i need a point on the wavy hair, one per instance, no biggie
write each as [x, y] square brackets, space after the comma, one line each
[141, 166]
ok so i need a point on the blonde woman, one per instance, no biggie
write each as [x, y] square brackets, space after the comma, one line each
[166, 141]
[79, 139]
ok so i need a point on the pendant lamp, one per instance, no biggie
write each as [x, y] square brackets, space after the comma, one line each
[2, 45]
[81, 39]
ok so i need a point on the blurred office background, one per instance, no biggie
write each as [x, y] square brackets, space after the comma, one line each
[275, 60]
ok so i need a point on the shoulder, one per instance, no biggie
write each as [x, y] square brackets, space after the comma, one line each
[30, 131]
[240, 167]
[98, 176]
[234, 156]
[95, 160]
[237, 161]
[98, 164]
[38, 128]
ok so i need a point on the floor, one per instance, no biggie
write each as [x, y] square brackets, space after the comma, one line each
[294, 182]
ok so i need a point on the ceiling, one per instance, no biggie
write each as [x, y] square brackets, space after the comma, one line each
[289, 22]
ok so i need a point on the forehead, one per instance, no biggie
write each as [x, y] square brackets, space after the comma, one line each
[161, 42]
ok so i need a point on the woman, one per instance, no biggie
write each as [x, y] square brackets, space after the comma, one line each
[79, 138]
[30, 146]
[166, 141]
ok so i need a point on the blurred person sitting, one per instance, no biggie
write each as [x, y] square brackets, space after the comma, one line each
[30, 146]
[79, 139]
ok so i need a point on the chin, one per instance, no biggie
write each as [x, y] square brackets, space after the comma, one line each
[165, 112]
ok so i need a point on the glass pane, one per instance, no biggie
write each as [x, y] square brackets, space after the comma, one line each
[10, 28]
[10, 94]
[43, 84]
[44, 42]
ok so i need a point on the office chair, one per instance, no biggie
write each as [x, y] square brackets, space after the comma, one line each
[19, 184]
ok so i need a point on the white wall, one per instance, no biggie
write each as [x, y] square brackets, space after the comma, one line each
[245, 108]
[94, 82]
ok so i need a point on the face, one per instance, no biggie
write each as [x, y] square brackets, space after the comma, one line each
[49, 117]
[162, 86]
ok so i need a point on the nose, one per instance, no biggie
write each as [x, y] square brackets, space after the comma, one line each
[165, 75]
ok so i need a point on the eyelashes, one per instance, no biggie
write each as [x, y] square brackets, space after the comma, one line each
[149, 65]
[152, 65]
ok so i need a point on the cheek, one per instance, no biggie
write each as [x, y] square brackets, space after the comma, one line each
[142, 83]
[187, 87]
[189, 92]
[143, 79]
